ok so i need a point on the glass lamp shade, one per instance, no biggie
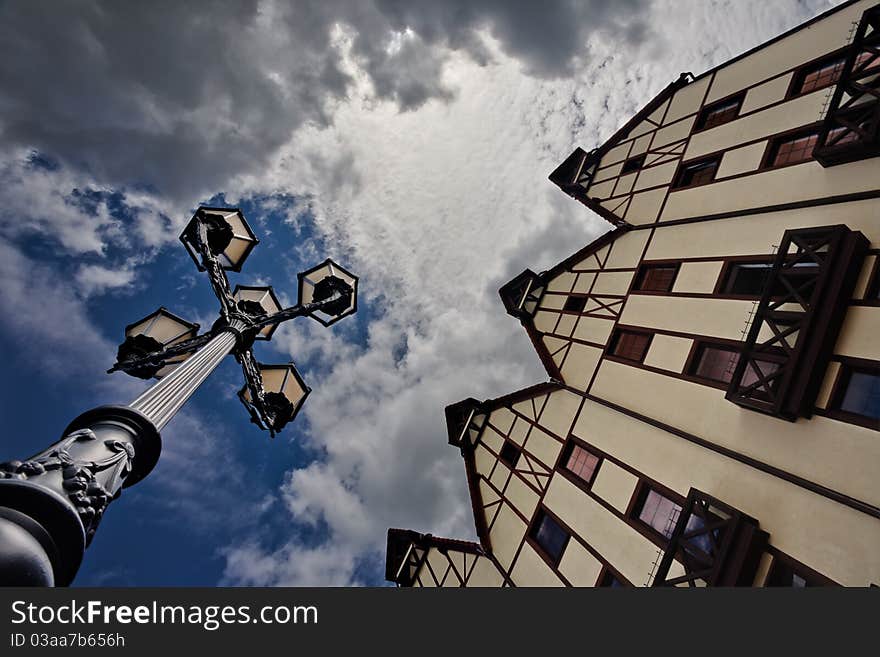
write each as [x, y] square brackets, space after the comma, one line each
[257, 300]
[230, 238]
[284, 393]
[153, 333]
[320, 282]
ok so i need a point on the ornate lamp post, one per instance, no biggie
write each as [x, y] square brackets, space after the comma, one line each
[51, 504]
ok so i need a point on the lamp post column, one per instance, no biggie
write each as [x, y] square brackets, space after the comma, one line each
[161, 401]
[51, 504]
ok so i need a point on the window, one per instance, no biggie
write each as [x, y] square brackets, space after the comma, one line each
[609, 580]
[630, 345]
[857, 394]
[716, 363]
[550, 536]
[633, 164]
[785, 571]
[657, 512]
[581, 463]
[746, 278]
[793, 149]
[827, 72]
[697, 173]
[843, 135]
[575, 304]
[872, 292]
[820, 75]
[719, 113]
[656, 278]
[749, 278]
[510, 454]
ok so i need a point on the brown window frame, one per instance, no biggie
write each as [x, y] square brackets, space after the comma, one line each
[727, 276]
[796, 89]
[698, 348]
[607, 577]
[637, 503]
[722, 108]
[579, 300]
[507, 459]
[778, 141]
[532, 535]
[693, 362]
[872, 289]
[615, 338]
[812, 578]
[632, 164]
[681, 180]
[849, 366]
[571, 475]
[643, 273]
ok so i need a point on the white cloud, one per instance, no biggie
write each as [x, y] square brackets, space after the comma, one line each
[97, 279]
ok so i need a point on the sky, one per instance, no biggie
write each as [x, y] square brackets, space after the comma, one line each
[409, 141]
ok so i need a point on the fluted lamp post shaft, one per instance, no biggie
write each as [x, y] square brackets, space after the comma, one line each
[161, 401]
[51, 503]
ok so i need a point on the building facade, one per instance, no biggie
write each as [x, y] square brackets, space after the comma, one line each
[714, 359]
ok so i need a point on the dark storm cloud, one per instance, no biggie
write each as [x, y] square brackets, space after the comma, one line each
[181, 96]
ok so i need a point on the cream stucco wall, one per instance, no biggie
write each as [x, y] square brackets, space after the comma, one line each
[699, 277]
[756, 234]
[827, 35]
[843, 457]
[803, 110]
[833, 539]
[772, 91]
[790, 184]
[721, 318]
[531, 570]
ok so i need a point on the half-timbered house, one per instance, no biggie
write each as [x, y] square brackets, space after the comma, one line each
[713, 410]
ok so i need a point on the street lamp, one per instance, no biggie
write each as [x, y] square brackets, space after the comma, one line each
[51, 503]
[230, 238]
[319, 284]
[258, 301]
[283, 392]
[154, 334]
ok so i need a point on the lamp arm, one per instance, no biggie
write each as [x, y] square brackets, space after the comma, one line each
[160, 357]
[295, 311]
[254, 383]
[217, 276]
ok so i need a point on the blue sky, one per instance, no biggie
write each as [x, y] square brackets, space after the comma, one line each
[410, 142]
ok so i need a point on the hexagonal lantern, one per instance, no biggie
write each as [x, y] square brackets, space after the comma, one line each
[230, 238]
[258, 300]
[151, 334]
[320, 282]
[285, 392]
